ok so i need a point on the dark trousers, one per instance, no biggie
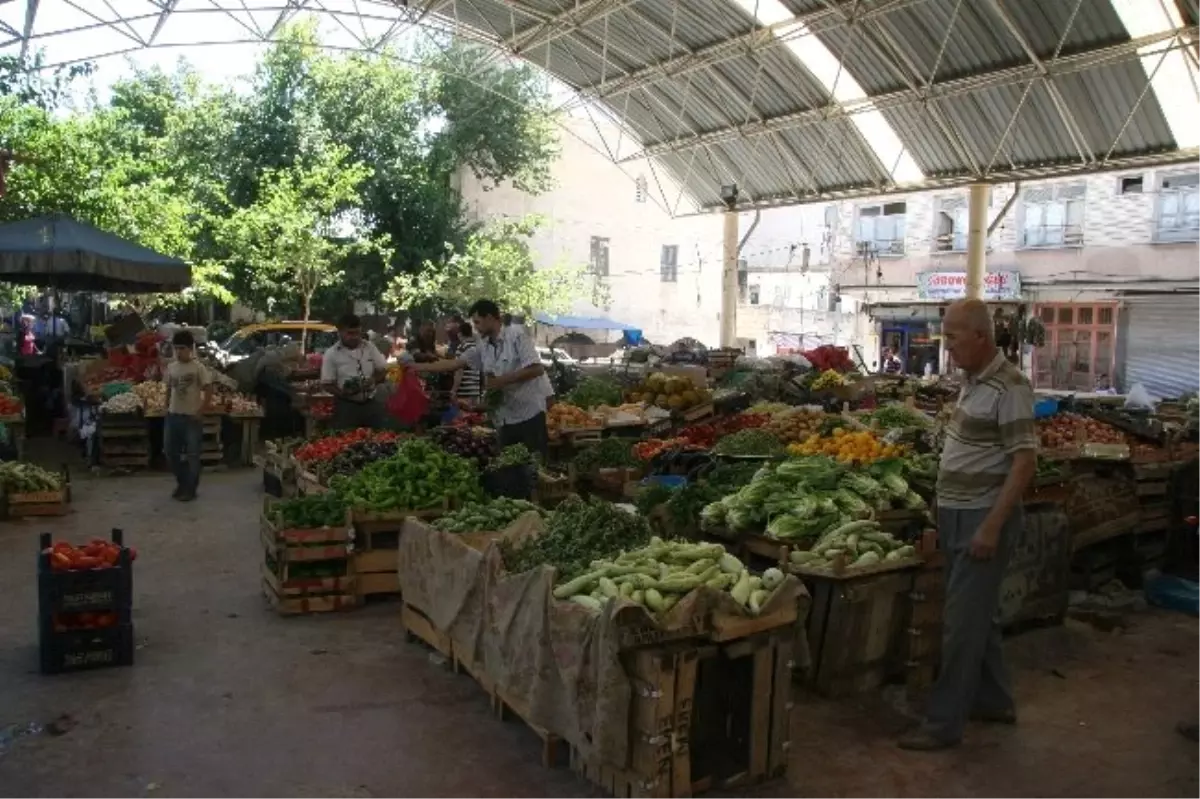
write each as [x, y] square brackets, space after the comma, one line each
[349, 415]
[531, 432]
[182, 440]
[973, 676]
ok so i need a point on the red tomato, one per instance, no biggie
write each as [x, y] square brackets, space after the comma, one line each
[88, 562]
[132, 553]
[1192, 520]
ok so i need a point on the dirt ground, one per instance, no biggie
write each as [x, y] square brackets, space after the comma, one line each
[228, 699]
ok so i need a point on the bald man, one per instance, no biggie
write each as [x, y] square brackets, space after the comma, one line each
[987, 462]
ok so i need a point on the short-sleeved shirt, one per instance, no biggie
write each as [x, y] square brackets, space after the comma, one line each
[340, 364]
[186, 383]
[993, 420]
[511, 350]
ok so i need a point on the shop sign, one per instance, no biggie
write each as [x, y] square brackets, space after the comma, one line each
[953, 285]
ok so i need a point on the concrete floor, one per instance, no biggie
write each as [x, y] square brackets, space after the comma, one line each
[229, 699]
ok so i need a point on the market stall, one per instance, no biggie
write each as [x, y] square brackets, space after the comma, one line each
[765, 542]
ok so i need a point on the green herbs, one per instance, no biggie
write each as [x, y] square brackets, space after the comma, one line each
[594, 391]
[314, 510]
[577, 533]
[901, 416]
[753, 443]
[610, 453]
[515, 455]
[490, 516]
[420, 475]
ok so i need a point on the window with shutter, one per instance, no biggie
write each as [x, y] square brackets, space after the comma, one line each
[1052, 216]
[881, 228]
[1178, 208]
[669, 263]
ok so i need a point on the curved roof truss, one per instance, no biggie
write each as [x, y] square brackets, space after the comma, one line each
[792, 100]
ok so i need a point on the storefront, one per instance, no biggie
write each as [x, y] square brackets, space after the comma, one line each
[1080, 351]
[1161, 350]
[913, 330]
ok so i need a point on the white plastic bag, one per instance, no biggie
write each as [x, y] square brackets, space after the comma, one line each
[1140, 398]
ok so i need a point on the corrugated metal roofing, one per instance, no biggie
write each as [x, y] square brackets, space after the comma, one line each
[718, 98]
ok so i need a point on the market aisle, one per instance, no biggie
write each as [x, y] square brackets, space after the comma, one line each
[228, 699]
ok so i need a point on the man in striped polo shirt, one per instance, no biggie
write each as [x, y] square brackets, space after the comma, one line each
[988, 460]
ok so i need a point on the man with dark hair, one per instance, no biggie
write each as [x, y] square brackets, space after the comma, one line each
[513, 374]
[350, 371]
[189, 392]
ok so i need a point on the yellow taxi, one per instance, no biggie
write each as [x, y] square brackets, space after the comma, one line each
[316, 337]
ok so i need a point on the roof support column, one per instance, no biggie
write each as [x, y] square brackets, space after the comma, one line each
[977, 235]
[729, 277]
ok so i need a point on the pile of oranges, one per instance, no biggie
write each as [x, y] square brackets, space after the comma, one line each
[858, 447]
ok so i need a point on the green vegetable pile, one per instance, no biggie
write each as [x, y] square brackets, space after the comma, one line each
[611, 453]
[594, 391]
[752, 442]
[311, 511]
[683, 505]
[859, 544]
[420, 475]
[657, 576]
[25, 478]
[490, 516]
[802, 498]
[900, 416]
[577, 533]
[515, 455]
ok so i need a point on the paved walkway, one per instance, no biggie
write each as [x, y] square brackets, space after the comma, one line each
[227, 699]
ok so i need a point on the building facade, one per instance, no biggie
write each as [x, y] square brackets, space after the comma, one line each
[1108, 264]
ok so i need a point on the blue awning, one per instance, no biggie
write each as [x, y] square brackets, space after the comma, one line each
[582, 322]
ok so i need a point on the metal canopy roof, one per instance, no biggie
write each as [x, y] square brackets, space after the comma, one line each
[719, 91]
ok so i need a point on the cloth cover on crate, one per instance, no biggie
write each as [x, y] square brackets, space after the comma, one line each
[558, 660]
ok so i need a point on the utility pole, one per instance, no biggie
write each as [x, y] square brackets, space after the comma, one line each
[729, 284]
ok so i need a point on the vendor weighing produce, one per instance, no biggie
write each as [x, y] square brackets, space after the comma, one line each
[516, 381]
[350, 370]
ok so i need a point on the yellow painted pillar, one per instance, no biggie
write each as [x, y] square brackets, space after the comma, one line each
[977, 224]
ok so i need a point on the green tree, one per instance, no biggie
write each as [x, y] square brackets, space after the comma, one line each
[292, 240]
[495, 263]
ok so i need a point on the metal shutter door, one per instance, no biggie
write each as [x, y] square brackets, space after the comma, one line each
[1162, 351]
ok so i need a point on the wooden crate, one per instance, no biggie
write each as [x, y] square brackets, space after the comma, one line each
[418, 626]
[742, 711]
[290, 552]
[375, 572]
[856, 629]
[38, 503]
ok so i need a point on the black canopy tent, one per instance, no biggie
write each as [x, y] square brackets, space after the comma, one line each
[59, 252]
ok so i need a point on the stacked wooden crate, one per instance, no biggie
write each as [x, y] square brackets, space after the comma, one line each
[124, 440]
[306, 570]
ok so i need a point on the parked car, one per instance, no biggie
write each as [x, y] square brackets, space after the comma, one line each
[316, 336]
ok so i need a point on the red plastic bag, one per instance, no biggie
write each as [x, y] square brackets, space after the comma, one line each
[408, 402]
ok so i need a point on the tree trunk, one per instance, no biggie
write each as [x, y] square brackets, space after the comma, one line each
[304, 327]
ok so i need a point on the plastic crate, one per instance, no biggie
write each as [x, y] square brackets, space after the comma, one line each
[109, 589]
[78, 650]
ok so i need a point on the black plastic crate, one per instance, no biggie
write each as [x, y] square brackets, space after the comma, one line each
[108, 589]
[77, 650]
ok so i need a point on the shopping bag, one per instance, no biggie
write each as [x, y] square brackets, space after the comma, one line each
[408, 401]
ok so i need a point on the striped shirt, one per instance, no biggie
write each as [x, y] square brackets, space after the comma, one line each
[469, 385]
[994, 419]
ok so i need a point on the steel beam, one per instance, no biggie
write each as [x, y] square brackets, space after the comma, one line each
[562, 24]
[31, 10]
[1078, 62]
[1044, 172]
[759, 37]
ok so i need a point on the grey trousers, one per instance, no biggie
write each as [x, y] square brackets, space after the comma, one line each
[972, 676]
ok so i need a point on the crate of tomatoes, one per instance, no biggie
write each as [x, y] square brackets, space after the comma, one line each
[85, 601]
